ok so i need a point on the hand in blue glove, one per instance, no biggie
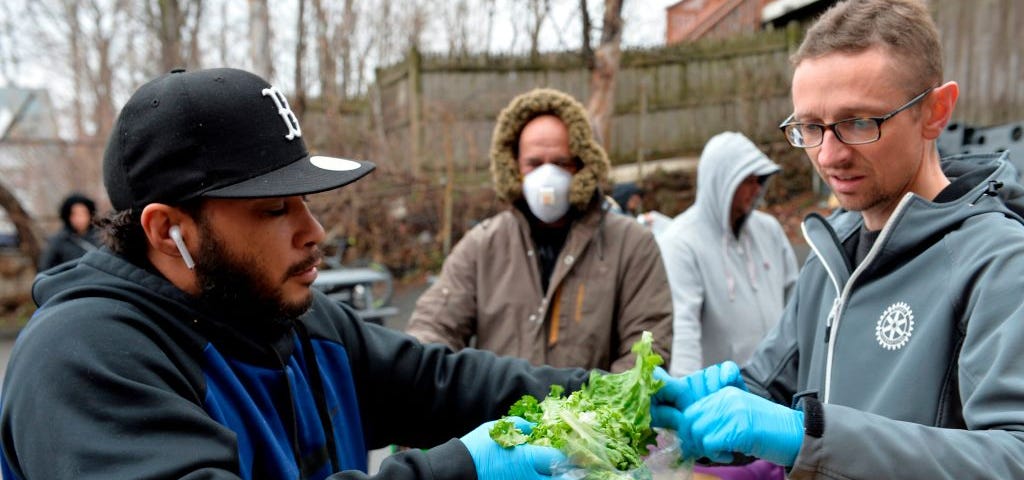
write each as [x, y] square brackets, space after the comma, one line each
[668, 403]
[494, 462]
[733, 420]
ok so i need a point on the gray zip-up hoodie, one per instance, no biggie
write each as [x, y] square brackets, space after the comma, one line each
[915, 354]
[728, 290]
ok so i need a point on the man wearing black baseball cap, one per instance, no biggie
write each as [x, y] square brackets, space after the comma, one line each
[192, 345]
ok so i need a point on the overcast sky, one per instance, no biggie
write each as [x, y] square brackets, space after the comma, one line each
[644, 24]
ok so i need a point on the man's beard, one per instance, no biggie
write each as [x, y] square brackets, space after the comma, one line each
[235, 287]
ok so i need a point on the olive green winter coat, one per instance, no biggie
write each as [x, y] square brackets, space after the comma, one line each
[608, 285]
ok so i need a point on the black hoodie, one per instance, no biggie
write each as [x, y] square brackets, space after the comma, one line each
[121, 375]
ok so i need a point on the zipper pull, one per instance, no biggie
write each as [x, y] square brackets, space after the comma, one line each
[831, 317]
[991, 190]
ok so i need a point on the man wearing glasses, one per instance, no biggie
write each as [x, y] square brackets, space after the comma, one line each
[898, 354]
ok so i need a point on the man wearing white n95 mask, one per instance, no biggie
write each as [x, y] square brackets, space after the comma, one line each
[555, 279]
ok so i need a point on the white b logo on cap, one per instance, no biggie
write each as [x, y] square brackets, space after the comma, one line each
[285, 112]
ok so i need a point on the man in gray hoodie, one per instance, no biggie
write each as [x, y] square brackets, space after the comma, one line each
[729, 266]
[898, 355]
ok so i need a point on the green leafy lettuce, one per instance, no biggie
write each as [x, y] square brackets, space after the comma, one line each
[604, 428]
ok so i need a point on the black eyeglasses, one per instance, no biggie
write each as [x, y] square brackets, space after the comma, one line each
[852, 131]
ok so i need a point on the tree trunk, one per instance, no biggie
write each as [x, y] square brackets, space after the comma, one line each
[602, 75]
[540, 10]
[415, 111]
[28, 236]
[194, 59]
[259, 39]
[77, 61]
[328, 73]
[586, 50]
[169, 34]
[222, 34]
[300, 54]
[104, 87]
[345, 47]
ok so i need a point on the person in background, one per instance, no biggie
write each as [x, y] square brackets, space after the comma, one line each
[556, 278]
[898, 354]
[76, 237]
[629, 198]
[730, 266]
[193, 347]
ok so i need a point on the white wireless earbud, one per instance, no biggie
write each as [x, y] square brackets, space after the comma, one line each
[175, 233]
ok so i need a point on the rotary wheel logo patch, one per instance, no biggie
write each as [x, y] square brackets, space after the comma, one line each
[895, 326]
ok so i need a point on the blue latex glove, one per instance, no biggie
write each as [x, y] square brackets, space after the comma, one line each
[494, 462]
[733, 420]
[668, 403]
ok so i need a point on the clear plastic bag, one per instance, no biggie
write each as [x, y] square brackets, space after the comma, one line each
[664, 462]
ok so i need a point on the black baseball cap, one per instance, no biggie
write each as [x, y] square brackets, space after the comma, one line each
[217, 133]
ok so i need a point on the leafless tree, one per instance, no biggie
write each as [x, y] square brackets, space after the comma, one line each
[346, 45]
[383, 20]
[328, 65]
[417, 18]
[77, 61]
[606, 66]
[539, 10]
[491, 7]
[175, 24]
[363, 60]
[260, 39]
[455, 17]
[88, 42]
[586, 50]
[300, 60]
[222, 38]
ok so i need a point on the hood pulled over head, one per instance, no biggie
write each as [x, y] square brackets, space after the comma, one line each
[508, 183]
[727, 159]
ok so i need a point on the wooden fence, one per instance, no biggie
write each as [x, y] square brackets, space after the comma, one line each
[983, 44]
[668, 101]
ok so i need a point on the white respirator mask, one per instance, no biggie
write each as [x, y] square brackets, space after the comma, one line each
[546, 189]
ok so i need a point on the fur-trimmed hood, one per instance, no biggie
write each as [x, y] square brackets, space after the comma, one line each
[508, 183]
